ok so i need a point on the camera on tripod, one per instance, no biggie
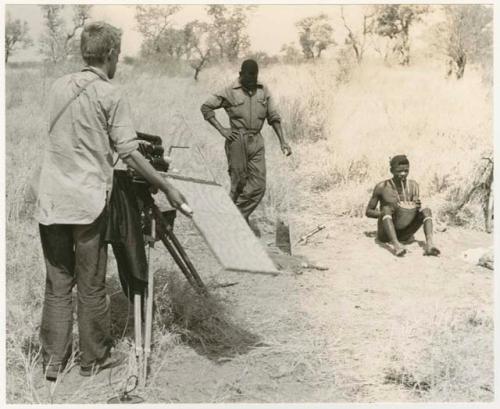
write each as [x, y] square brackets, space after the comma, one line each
[150, 146]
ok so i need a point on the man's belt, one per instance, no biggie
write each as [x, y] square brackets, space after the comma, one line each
[246, 132]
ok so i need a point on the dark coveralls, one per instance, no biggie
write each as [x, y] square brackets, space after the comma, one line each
[389, 197]
[246, 154]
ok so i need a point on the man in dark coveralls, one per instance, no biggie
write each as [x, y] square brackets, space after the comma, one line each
[390, 193]
[248, 103]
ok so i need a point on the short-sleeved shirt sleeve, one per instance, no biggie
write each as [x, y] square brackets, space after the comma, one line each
[120, 127]
[272, 110]
[214, 102]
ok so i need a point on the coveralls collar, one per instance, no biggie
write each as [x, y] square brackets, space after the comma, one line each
[236, 84]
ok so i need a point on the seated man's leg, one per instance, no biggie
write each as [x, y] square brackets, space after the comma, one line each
[387, 232]
[424, 217]
[430, 248]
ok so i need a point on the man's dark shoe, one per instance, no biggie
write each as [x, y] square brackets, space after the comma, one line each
[111, 361]
[51, 373]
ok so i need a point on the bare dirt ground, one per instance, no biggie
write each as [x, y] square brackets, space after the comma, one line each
[310, 335]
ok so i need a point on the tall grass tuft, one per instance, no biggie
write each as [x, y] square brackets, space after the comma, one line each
[441, 366]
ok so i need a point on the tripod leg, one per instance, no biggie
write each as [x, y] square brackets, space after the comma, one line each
[177, 253]
[138, 328]
[186, 259]
[178, 260]
[149, 313]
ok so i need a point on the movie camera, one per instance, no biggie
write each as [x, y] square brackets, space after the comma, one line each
[151, 147]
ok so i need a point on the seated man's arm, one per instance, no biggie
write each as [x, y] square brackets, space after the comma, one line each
[371, 209]
[416, 195]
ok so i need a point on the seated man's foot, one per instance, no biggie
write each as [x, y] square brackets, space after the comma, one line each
[399, 251]
[431, 250]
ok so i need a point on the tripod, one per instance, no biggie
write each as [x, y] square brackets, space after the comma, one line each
[157, 226]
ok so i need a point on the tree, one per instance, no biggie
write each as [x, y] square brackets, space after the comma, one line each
[466, 35]
[228, 29]
[153, 22]
[57, 43]
[357, 40]
[16, 34]
[394, 21]
[81, 13]
[315, 35]
[198, 45]
[291, 54]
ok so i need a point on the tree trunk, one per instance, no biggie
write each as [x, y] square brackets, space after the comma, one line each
[405, 50]
[461, 61]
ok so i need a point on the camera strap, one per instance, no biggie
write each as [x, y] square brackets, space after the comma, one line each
[54, 121]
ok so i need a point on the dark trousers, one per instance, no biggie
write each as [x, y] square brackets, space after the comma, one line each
[247, 170]
[75, 254]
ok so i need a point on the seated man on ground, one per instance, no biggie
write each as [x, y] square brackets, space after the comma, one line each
[400, 214]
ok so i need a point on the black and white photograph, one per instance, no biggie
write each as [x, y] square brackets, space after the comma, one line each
[249, 203]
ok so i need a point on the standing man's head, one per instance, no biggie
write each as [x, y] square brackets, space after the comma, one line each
[400, 167]
[249, 74]
[100, 46]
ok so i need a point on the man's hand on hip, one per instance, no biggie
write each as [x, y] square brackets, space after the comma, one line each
[285, 148]
[228, 133]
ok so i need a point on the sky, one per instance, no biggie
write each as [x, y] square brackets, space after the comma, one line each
[270, 26]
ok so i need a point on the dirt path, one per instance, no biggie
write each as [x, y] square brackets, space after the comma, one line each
[368, 296]
[316, 335]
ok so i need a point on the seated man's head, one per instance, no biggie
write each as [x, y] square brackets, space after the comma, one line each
[248, 74]
[400, 167]
[100, 46]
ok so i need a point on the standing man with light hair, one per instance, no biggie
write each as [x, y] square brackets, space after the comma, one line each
[248, 103]
[89, 120]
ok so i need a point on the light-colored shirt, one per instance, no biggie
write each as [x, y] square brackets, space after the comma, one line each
[77, 166]
[245, 111]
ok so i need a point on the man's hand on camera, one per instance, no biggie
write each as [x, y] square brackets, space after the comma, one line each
[228, 134]
[285, 148]
[178, 201]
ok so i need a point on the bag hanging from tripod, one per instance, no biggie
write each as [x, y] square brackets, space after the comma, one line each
[124, 233]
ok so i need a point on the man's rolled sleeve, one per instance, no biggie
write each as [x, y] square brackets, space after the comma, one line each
[211, 104]
[272, 111]
[121, 129]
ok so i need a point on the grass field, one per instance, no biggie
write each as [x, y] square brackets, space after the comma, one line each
[342, 136]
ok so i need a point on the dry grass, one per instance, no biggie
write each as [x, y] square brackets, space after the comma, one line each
[445, 359]
[203, 322]
[342, 136]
